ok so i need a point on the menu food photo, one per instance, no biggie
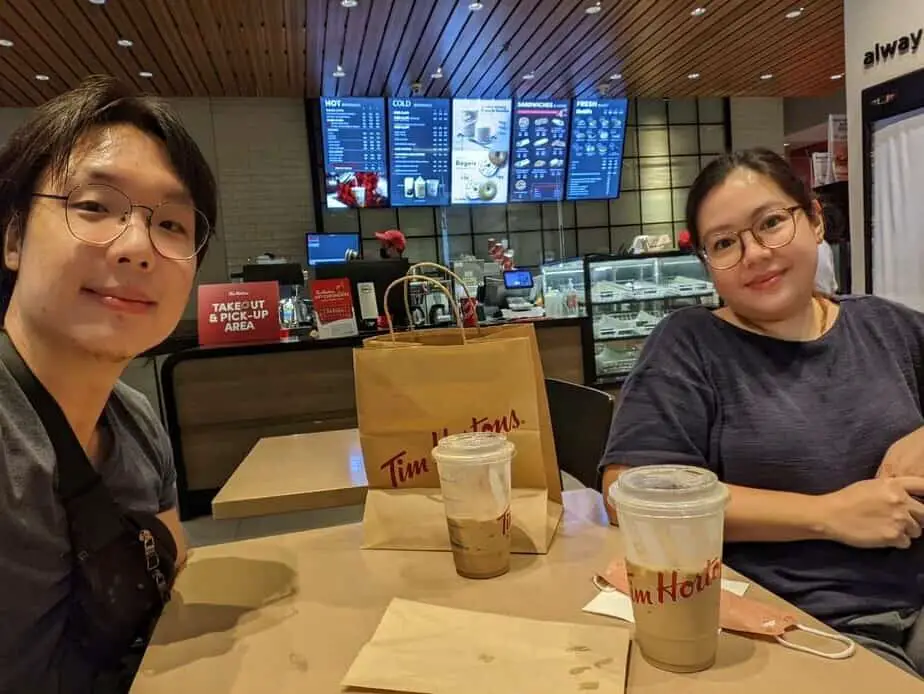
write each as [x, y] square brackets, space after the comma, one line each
[597, 138]
[540, 135]
[480, 150]
[354, 152]
[419, 164]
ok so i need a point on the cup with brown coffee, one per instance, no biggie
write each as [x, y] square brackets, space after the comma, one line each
[672, 519]
[474, 470]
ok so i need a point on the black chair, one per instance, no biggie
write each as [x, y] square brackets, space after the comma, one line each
[581, 418]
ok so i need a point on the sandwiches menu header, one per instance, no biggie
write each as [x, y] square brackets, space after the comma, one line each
[539, 144]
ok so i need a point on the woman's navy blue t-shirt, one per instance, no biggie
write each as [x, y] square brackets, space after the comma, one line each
[806, 417]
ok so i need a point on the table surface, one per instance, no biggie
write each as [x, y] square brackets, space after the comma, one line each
[288, 614]
[295, 473]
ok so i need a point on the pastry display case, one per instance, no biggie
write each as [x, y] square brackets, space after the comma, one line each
[626, 297]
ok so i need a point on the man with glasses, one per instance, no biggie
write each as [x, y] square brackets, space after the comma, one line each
[106, 208]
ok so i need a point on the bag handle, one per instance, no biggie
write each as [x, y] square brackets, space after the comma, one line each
[412, 272]
[75, 473]
[439, 285]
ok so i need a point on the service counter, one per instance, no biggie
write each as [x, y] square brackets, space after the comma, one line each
[218, 402]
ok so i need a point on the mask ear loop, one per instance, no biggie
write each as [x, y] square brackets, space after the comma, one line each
[850, 649]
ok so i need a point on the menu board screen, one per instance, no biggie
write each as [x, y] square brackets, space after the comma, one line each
[354, 152]
[540, 132]
[419, 130]
[480, 150]
[598, 131]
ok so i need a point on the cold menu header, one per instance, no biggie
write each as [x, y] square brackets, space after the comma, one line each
[419, 151]
[354, 152]
[597, 137]
[539, 142]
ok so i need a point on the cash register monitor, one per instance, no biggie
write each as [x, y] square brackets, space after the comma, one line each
[518, 287]
[380, 273]
[518, 279]
[330, 248]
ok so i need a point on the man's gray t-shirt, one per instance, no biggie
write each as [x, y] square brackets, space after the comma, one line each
[806, 417]
[35, 559]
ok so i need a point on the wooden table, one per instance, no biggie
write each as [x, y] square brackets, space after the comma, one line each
[288, 614]
[295, 473]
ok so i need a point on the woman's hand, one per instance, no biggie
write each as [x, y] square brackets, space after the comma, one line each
[905, 457]
[875, 513]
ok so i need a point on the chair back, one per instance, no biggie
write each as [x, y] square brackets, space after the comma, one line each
[581, 418]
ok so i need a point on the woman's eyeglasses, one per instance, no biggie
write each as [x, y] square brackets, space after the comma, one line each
[98, 214]
[774, 229]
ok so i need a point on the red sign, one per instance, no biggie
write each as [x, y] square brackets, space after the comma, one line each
[333, 303]
[241, 312]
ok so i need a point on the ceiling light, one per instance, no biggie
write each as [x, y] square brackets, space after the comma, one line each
[529, 76]
[146, 74]
[338, 73]
[125, 43]
[6, 43]
[786, 144]
[693, 76]
[795, 14]
[838, 76]
[438, 75]
[348, 3]
[594, 9]
[475, 6]
[767, 76]
[42, 78]
[698, 12]
[97, 2]
[616, 76]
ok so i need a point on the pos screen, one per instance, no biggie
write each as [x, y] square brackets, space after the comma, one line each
[330, 248]
[518, 279]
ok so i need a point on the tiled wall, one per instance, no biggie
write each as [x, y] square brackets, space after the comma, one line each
[667, 142]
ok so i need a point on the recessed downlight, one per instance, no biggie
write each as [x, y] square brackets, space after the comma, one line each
[529, 75]
[795, 13]
[616, 76]
[693, 76]
[125, 43]
[349, 4]
[438, 75]
[338, 73]
[476, 6]
[596, 8]
[767, 76]
[145, 74]
[97, 2]
[42, 78]
[698, 12]
[838, 76]
[6, 43]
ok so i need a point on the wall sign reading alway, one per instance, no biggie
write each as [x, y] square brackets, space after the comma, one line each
[883, 52]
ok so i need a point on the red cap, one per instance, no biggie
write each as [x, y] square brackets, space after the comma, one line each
[392, 239]
[684, 239]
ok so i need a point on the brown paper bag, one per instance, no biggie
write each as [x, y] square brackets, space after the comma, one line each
[427, 649]
[412, 389]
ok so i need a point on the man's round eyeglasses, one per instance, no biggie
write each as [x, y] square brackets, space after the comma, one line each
[98, 214]
[773, 229]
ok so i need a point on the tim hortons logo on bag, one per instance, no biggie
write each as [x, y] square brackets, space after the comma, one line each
[401, 470]
[672, 586]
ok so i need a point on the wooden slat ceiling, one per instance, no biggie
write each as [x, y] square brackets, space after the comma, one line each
[293, 47]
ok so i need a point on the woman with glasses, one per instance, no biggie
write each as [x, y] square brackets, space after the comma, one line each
[808, 407]
[106, 208]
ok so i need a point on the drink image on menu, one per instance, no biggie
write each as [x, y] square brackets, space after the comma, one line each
[354, 152]
[480, 150]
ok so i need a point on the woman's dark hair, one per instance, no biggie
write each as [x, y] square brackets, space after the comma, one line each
[759, 160]
[45, 142]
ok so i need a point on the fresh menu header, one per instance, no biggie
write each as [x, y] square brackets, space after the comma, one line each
[435, 152]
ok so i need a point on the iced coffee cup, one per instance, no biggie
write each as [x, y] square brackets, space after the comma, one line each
[474, 474]
[672, 519]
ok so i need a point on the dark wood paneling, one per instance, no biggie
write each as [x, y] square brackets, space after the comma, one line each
[292, 47]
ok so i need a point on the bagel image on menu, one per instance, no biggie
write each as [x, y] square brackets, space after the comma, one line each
[481, 141]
